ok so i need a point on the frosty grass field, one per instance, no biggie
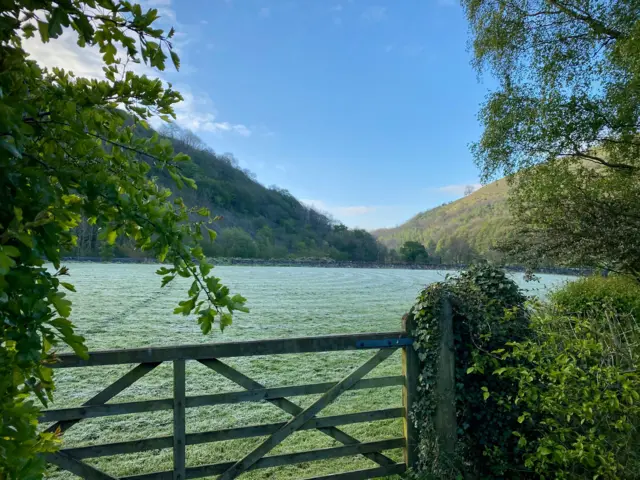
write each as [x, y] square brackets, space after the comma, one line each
[123, 306]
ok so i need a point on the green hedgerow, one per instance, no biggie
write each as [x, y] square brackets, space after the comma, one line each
[585, 296]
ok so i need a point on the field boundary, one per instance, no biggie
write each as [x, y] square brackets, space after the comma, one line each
[209, 355]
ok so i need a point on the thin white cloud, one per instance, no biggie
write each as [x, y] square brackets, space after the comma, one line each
[199, 115]
[388, 48]
[204, 22]
[195, 112]
[374, 13]
[64, 53]
[340, 211]
[281, 167]
[265, 12]
[337, 21]
[457, 189]
[336, 8]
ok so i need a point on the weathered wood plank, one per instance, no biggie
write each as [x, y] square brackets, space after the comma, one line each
[259, 394]
[108, 393]
[230, 434]
[119, 448]
[293, 409]
[395, 469]
[304, 416]
[270, 394]
[179, 404]
[106, 410]
[327, 343]
[445, 420]
[283, 459]
[73, 465]
[411, 372]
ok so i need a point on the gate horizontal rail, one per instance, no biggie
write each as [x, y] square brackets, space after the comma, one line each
[325, 343]
[209, 355]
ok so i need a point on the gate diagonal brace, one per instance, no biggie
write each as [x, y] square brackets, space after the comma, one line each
[305, 415]
[290, 407]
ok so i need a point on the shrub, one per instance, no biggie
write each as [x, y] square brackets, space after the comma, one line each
[586, 296]
[486, 446]
[543, 391]
[579, 397]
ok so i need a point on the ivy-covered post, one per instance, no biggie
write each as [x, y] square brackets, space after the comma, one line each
[410, 371]
[445, 413]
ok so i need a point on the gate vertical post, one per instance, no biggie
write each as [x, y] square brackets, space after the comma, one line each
[179, 400]
[411, 372]
[445, 415]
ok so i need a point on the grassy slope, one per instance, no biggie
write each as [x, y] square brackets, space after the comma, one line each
[481, 218]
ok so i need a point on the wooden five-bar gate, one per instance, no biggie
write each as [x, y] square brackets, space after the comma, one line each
[211, 355]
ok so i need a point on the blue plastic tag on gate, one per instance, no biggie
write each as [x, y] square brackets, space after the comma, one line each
[385, 343]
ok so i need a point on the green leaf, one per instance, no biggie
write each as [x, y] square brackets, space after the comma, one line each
[28, 30]
[58, 17]
[206, 319]
[544, 451]
[225, 320]
[111, 237]
[62, 305]
[212, 234]
[237, 298]
[190, 182]
[6, 263]
[203, 211]
[205, 268]
[43, 27]
[68, 286]
[10, 250]
[175, 59]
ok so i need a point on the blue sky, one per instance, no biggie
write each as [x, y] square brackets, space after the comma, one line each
[364, 109]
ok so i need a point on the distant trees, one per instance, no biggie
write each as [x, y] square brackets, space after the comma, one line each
[468, 190]
[186, 136]
[414, 252]
[235, 242]
[455, 250]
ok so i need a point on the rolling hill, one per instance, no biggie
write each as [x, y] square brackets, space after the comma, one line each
[459, 231]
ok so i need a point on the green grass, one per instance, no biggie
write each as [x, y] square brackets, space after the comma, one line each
[122, 306]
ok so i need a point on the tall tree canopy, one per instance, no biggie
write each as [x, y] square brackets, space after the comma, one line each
[68, 151]
[569, 95]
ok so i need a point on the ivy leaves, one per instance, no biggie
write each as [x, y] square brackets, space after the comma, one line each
[488, 310]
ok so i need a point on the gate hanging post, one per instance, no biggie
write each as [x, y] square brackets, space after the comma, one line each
[411, 372]
[445, 415]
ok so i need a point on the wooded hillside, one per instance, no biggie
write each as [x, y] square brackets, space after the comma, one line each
[460, 231]
[255, 221]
